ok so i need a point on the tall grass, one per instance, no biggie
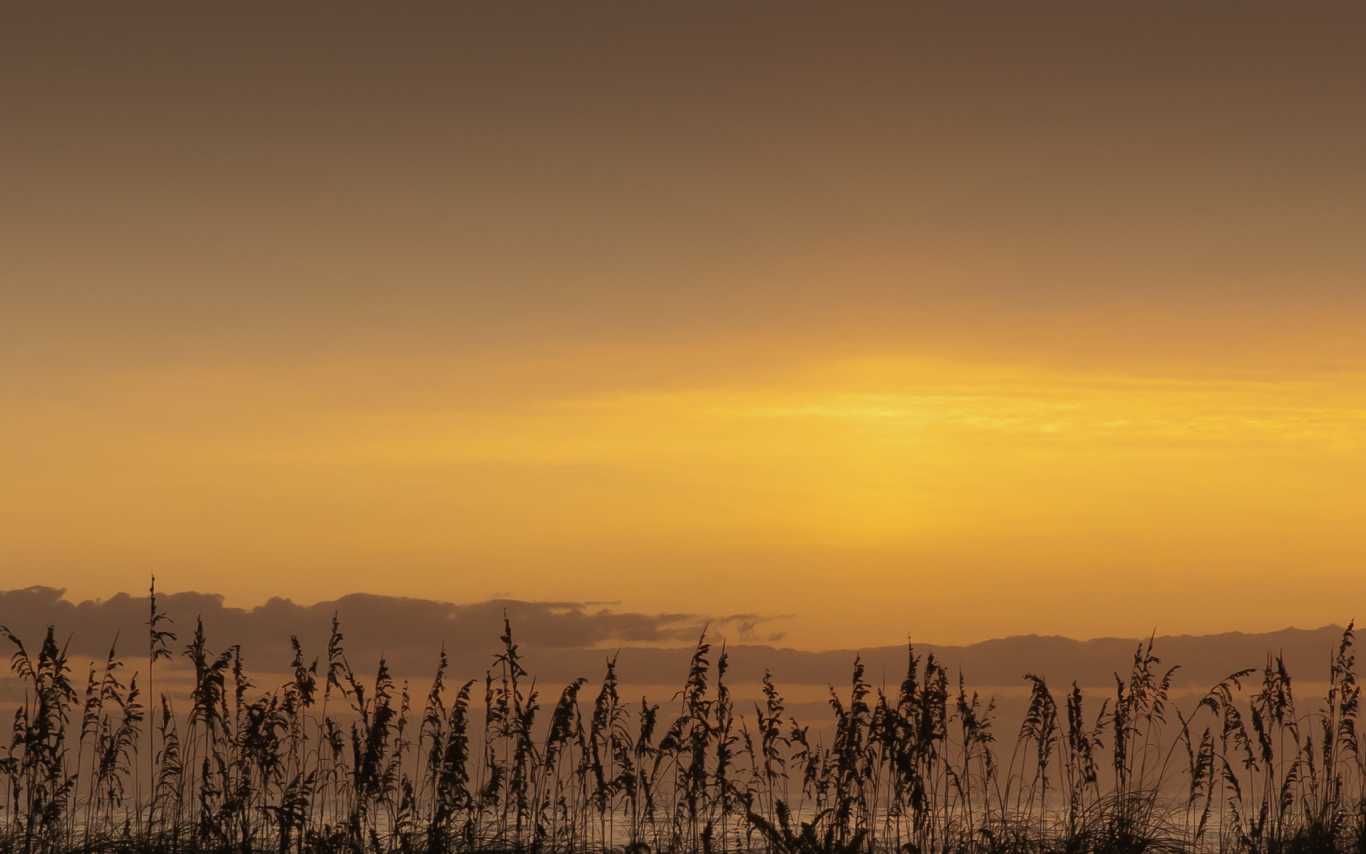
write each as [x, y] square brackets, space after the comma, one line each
[329, 761]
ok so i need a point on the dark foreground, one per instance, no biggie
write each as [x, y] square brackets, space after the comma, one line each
[329, 762]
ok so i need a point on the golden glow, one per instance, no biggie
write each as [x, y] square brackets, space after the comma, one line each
[948, 499]
[904, 318]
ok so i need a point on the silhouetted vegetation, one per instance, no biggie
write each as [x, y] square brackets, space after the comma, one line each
[328, 761]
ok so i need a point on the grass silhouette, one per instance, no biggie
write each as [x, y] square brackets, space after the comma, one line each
[330, 762]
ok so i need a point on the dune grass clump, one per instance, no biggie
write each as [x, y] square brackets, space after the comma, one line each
[330, 761]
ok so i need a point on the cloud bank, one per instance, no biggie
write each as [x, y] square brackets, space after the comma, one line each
[408, 632]
[565, 640]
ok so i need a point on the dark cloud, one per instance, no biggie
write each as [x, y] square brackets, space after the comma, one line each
[564, 640]
[409, 632]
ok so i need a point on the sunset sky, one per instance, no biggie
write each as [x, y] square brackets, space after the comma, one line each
[875, 322]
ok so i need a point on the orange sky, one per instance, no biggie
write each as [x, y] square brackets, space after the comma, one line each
[879, 323]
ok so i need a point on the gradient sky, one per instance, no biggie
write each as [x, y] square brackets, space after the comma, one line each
[881, 321]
